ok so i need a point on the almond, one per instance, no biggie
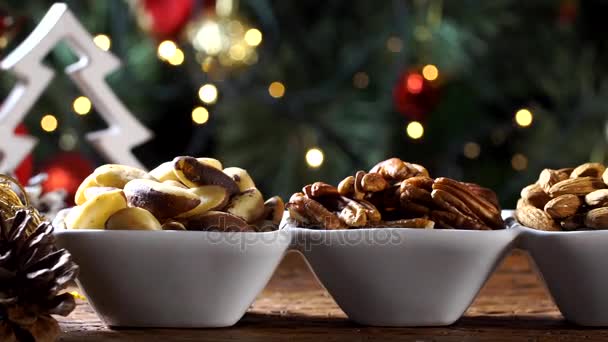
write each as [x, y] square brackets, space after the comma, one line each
[576, 186]
[597, 218]
[563, 206]
[597, 198]
[588, 170]
[535, 195]
[549, 177]
[533, 217]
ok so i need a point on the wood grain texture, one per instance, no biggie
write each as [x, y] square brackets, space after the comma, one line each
[513, 305]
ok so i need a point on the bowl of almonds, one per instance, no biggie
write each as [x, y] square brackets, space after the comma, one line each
[188, 244]
[395, 247]
[564, 219]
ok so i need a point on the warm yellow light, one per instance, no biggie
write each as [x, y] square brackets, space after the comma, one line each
[200, 115]
[394, 44]
[103, 42]
[253, 37]
[415, 130]
[207, 64]
[208, 93]
[177, 58]
[82, 105]
[276, 89]
[209, 38]
[237, 52]
[166, 49]
[471, 150]
[524, 117]
[314, 157]
[430, 72]
[519, 162]
[361, 80]
[49, 123]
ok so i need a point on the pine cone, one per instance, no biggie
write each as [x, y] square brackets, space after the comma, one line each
[32, 273]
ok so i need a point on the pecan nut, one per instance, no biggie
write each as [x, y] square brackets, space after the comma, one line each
[373, 182]
[482, 209]
[309, 211]
[320, 189]
[446, 219]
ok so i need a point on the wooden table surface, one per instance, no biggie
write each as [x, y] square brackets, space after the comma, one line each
[513, 305]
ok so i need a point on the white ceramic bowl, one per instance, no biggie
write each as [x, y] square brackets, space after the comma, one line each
[403, 276]
[574, 268]
[173, 279]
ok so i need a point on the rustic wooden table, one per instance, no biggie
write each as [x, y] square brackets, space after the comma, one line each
[513, 305]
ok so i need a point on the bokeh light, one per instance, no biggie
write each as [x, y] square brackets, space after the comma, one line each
[430, 72]
[49, 123]
[415, 130]
[253, 37]
[177, 58]
[82, 105]
[472, 150]
[200, 115]
[103, 42]
[524, 117]
[414, 83]
[314, 157]
[166, 49]
[276, 89]
[519, 162]
[208, 93]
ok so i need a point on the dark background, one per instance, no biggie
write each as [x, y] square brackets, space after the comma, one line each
[345, 66]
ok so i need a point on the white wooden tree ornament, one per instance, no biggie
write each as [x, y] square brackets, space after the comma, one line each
[59, 24]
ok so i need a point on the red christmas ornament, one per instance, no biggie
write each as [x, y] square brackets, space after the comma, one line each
[414, 96]
[66, 171]
[166, 18]
[568, 10]
[23, 172]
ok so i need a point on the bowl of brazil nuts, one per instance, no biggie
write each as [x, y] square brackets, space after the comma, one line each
[188, 244]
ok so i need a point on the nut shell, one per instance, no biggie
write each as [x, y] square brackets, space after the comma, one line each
[194, 173]
[563, 206]
[218, 221]
[132, 218]
[162, 200]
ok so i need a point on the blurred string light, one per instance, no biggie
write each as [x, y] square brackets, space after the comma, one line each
[414, 83]
[67, 141]
[472, 150]
[394, 44]
[200, 115]
[361, 80]
[430, 72]
[276, 89]
[224, 37]
[519, 162]
[208, 93]
[169, 52]
[177, 58]
[524, 117]
[415, 130]
[49, 123]
[166, 49]
[82, 105]
[103, 42]
[314, 157]
[253, 37]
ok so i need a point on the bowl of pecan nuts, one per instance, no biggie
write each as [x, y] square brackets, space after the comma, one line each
[395, 247]
[188, 244]
[564, 218]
